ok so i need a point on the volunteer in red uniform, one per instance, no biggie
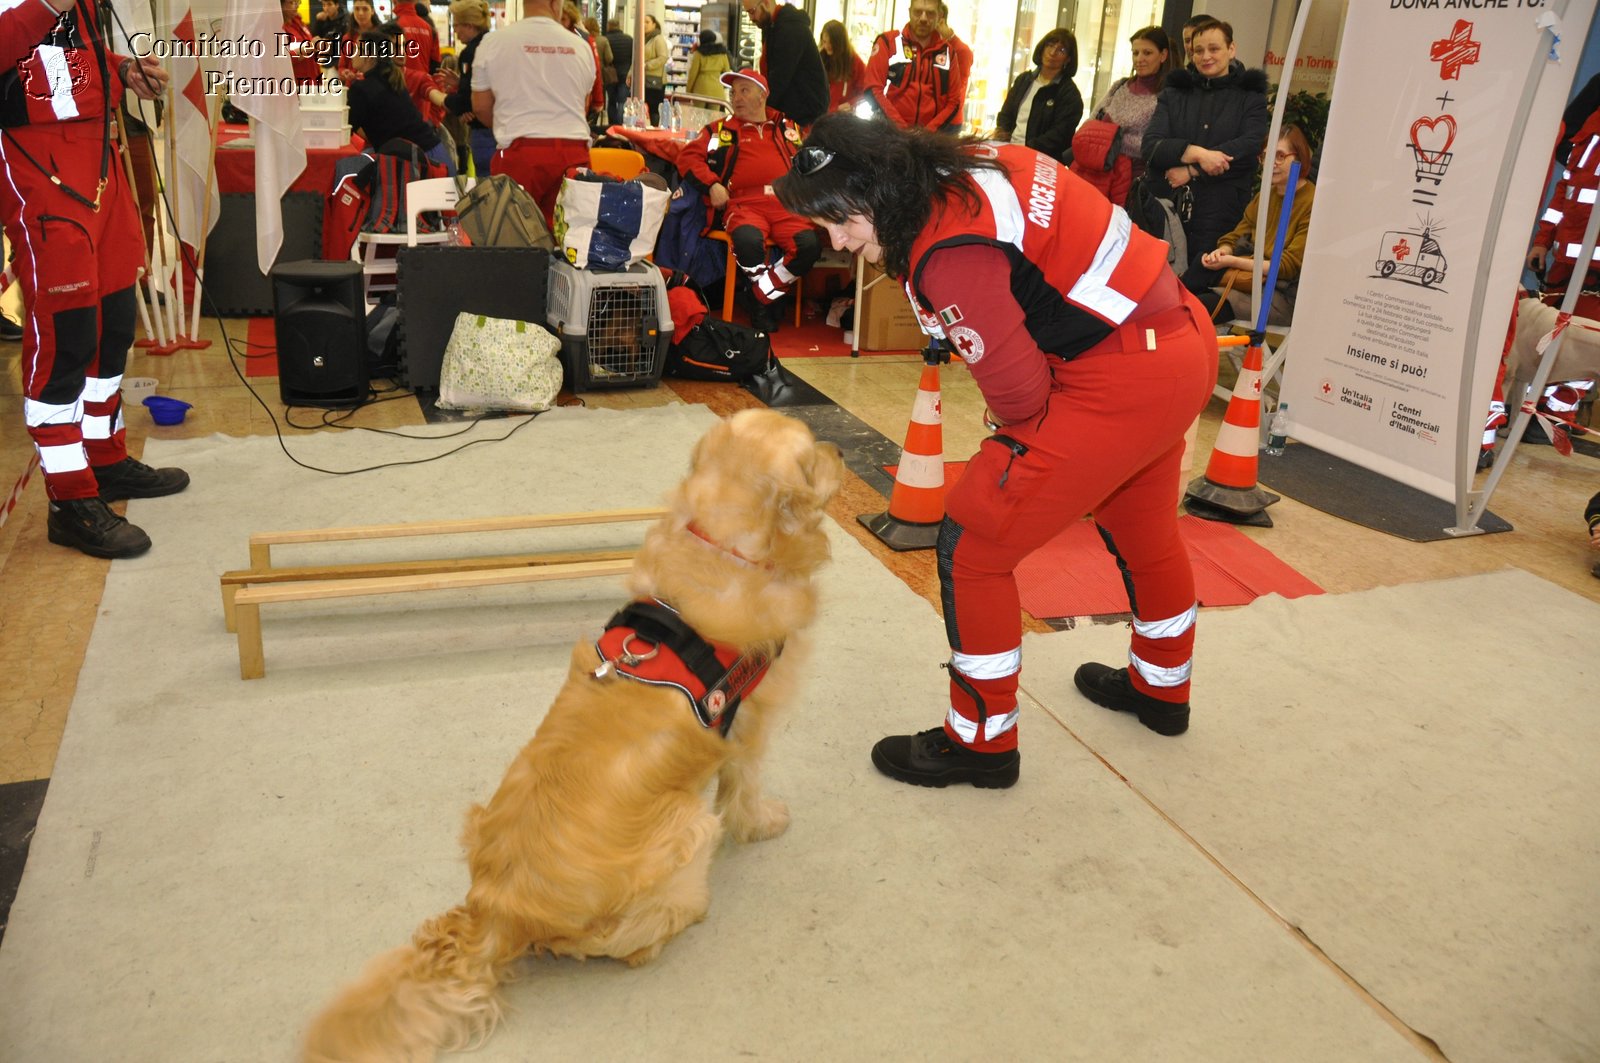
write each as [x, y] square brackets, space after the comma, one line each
[1093, 360]
[736, 160]
[421, 39]
[301, 45]
[915, 75]
[531, 84]
[74, 229]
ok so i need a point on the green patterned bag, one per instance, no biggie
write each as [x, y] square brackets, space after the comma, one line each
[491, 363]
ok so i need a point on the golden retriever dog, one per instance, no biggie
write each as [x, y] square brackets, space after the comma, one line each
[599, 840]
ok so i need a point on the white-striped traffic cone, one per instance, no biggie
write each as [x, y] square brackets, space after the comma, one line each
[916, 506]
[1228, 490]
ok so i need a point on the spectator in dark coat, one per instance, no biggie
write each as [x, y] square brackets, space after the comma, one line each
[1054, 105]
[470, 21]
[622, 59]
[1207, 133]
[790, 60]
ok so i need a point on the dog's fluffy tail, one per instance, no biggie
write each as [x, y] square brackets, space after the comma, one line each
[409, 1003]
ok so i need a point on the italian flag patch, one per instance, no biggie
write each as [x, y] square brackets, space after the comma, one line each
[950, 315]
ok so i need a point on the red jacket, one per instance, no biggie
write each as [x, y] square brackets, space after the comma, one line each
[422, 41]
[742, 156]
[28, 95]
[1077, 269]
[921, 85]
[1561, 228]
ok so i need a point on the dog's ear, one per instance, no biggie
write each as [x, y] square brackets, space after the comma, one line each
[826, 471]
[799, 503]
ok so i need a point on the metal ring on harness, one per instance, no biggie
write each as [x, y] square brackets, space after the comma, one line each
[629, 658]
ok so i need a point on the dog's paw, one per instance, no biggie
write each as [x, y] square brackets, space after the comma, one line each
[765, 819]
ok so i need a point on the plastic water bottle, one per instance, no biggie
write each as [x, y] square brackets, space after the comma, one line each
[664, 118]
[452, 230]
[630, 113]
[1278, 430]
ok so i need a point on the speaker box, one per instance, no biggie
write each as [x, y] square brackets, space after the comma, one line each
[320, 314]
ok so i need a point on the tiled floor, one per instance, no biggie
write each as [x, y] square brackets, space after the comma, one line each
[49, 595]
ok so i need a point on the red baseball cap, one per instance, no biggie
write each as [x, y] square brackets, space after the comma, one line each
[748, 75]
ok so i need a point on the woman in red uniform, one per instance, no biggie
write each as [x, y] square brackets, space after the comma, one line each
[1093, 361]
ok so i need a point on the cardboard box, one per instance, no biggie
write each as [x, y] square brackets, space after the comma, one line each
[885, 320]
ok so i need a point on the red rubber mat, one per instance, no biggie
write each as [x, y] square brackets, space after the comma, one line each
[1075, 575]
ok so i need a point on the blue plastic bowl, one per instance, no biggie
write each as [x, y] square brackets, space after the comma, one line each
[165, 410]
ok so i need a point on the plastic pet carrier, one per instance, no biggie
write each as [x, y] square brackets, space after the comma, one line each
[614, 327]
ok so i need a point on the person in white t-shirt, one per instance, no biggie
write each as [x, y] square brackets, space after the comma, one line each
[531, 84]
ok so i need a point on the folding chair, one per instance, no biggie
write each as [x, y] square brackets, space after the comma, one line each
[378, 270]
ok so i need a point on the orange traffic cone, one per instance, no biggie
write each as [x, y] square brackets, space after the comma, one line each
[1228, 490]
[916, 506]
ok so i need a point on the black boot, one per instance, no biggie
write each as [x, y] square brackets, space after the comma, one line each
[10, 331]
[932, 759]
[1111, 688]
[87, 524]
[134, 479]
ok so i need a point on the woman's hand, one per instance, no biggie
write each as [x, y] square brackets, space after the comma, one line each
[1178, 176]
[718, 195]
[1212, 162]
[1215, 259]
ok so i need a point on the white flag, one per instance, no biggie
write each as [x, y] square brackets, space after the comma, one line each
[280, 147]
[190, 128]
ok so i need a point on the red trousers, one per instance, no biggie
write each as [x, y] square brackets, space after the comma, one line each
[1108, 443]
[766, 214]
[77, 268]
[538, 166]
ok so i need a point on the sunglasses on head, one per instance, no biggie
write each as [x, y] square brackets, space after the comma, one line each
[808, 161]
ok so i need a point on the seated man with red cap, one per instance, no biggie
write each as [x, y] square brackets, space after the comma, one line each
[735, 160]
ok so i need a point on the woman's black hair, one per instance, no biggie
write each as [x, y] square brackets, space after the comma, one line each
[382, 47]
[893, 177]
[1065, 37]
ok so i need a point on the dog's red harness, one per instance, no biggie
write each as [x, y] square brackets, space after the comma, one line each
[648, 642]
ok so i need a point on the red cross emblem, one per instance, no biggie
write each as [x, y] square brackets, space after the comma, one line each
[1455, 51]
[1327, 387]
[965, 343]
[1401, 250]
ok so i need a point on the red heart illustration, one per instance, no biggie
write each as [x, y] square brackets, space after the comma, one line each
[1434, 154]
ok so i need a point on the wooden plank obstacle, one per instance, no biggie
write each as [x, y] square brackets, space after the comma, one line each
[244, 591]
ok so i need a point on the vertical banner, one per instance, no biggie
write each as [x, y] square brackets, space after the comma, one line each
[1422, 119]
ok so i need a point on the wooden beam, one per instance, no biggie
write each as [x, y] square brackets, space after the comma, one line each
[452, 527]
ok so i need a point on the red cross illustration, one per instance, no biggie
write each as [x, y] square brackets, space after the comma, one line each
[965, 343]
[1455, 51]
[1401, 250]
[1327, 388]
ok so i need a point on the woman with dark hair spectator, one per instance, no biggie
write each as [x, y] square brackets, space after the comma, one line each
[363, 19]
[301, 47]
[380, 105]
[707, 65]
[1093, 361]
[1043, 106]
[1208, 129]
[655, 66]
[1131, 101]
[1234, 250]
[847, 73]
[469, 21]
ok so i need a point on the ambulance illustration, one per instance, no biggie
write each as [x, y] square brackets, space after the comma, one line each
[1411, 255]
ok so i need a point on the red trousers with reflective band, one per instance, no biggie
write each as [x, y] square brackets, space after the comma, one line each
[1109, 443]
[77, 268]
[538, 166]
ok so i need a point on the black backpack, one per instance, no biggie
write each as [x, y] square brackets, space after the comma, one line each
[719, 350]
[1162, 217]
